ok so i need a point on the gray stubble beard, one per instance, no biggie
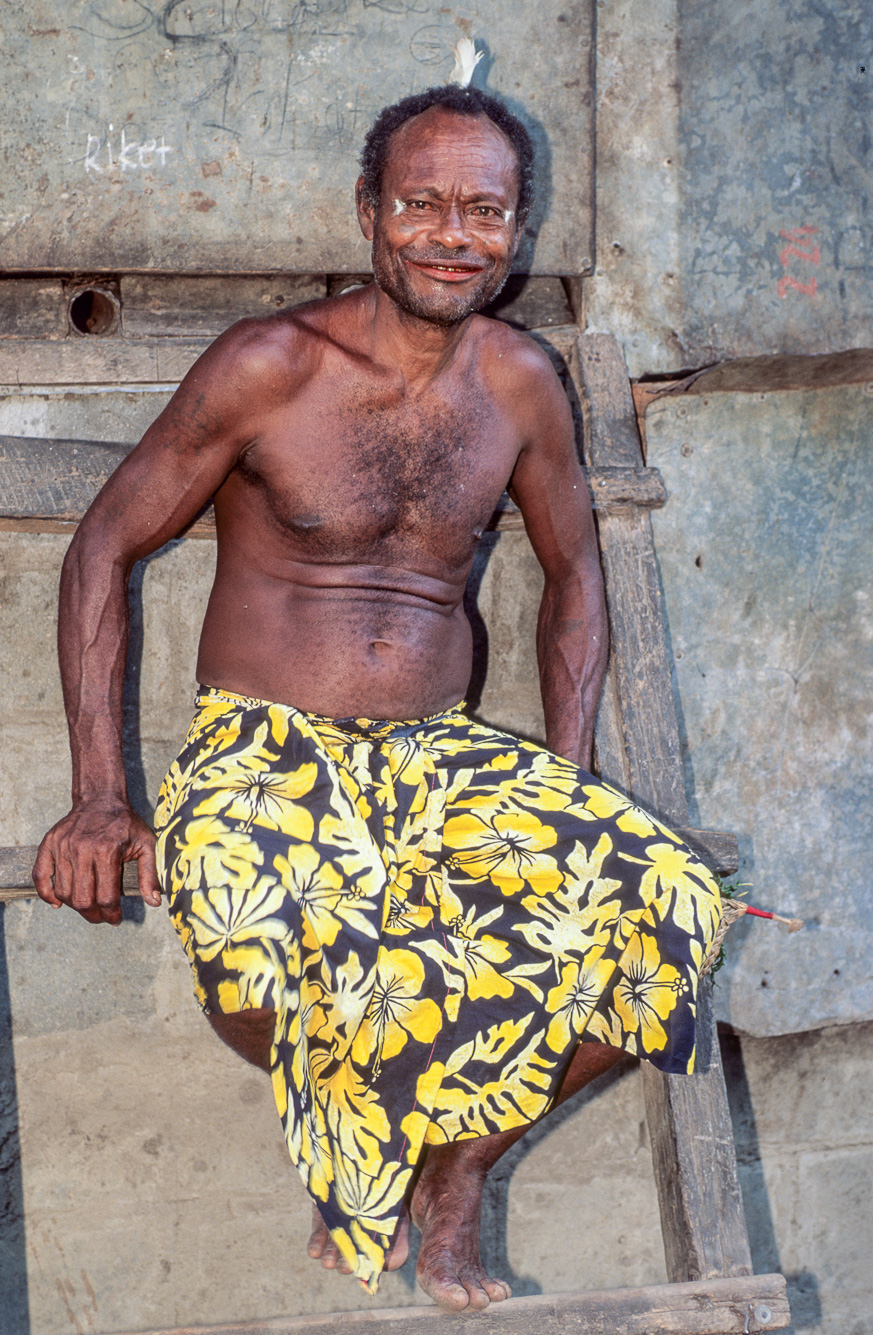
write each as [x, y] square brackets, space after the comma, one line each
[384, 277]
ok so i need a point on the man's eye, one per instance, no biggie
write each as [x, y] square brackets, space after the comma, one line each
[485, 211]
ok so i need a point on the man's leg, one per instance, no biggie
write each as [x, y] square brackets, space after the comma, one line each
[447, 1200]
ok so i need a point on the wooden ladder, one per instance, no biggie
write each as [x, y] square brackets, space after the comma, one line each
[711, 1289]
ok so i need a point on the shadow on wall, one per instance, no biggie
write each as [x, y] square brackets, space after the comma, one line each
[803, 1291]
[542, 203]
[14, 1311]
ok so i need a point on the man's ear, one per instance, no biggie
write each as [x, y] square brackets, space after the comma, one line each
[366, 211]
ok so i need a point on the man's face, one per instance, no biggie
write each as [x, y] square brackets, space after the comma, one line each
[445, 230]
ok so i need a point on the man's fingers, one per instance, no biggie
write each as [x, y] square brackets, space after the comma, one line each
[43, 876]
[83, 890]
[147, 873]
[64, 876]
[107, 888]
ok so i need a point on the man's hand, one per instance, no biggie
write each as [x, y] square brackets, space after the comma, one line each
[80, 860]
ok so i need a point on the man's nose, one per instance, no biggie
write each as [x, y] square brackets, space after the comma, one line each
[450, 229]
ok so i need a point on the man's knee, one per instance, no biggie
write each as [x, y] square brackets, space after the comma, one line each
[249, 1033]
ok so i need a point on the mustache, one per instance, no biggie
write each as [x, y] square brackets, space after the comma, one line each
[445, 255]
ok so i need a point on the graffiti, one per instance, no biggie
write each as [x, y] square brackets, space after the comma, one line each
[128, 155]
[803, 248]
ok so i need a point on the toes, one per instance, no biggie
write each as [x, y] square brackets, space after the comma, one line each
[398, 1251]
[330, 1257]
[449, 1295]
[497, 1289]
[479, 1299]
[319, 1238]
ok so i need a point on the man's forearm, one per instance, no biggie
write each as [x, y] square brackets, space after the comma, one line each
[92, 649]
[572, 649]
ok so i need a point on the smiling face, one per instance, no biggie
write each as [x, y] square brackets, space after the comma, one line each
[445, 229]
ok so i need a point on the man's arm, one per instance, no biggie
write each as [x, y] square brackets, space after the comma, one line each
[572, 630]
[180, 462]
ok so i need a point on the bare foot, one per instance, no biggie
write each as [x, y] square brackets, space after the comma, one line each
[321, 1246]
[446, 1206]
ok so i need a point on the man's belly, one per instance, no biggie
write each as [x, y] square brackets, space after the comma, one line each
[391, 645]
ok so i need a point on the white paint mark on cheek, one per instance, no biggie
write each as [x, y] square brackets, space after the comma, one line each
[508, 215]
[399, 206]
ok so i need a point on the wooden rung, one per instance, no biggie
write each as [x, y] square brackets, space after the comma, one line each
[49, 484]
[16, 863]
[750, 1305]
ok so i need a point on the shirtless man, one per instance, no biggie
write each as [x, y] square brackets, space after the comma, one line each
[355, 449]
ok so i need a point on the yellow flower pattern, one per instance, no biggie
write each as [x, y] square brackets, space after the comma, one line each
[437, 913]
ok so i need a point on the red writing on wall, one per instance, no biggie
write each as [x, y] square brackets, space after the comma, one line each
[801, 247]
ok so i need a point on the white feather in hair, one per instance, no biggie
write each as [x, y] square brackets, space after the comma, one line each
[466, 60]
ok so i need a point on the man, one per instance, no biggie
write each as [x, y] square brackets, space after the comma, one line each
[407, 918]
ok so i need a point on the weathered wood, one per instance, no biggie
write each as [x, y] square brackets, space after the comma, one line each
[97, 361]
[15, 879]
[123, 361]
[701, 1206]
[718, 849]
[531, 303]
[695, 1164]
[611, 431]
[204, 305]
[15, 863]
[56, 480]
[639, 651]
[33, 308]
[718, 1307]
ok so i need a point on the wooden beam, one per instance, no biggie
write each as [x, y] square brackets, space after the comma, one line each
[122, 361]
[695, 1164]
[80, 360]
[717, 1307]
[52, 483]
[719, 849]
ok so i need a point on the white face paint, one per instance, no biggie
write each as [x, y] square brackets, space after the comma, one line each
[399, 206]
[507, 216]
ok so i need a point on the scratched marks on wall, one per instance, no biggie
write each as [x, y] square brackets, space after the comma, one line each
[126, 105]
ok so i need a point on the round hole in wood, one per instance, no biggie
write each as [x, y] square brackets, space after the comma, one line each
[95, 311]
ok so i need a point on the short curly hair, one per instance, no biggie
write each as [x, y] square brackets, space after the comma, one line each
[464, 101]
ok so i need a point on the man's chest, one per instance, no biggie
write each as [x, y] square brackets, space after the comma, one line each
[343, 476]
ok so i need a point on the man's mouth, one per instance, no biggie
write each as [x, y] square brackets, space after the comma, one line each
[454, 272]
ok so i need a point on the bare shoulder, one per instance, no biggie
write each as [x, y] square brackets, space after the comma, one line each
[521, 372]
[260, 353]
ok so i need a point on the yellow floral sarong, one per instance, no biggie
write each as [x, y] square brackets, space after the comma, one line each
[438, 913]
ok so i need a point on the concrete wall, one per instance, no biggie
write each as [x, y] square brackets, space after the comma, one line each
[143, 1179]
[765, 549]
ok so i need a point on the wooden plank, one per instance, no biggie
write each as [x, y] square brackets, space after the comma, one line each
[56, 480]
[695, 1164]
[120, 361]
[718, 1307]
[639, 651]
[720, 851]
[611, 431]
[701, 1206]
[527, 302]
[204, 305]
[33, 308]
[79, 360]
[16, 862]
